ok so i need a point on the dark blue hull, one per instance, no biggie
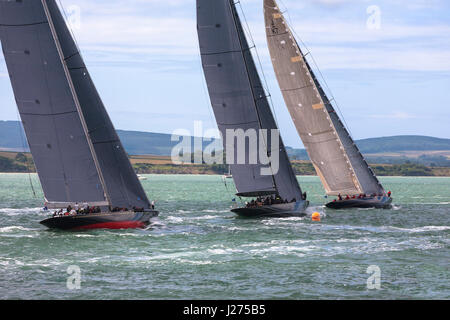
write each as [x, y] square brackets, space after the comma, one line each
[373, 202]
[274, 211]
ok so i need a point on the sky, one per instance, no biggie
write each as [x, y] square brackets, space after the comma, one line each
[386, 62]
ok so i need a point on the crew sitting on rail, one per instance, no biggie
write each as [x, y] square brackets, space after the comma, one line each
[72, 212]
[268, 201]
[58, 213]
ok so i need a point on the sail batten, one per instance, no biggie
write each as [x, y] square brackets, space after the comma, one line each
[237, 96]
[340, 166]
[121, 183]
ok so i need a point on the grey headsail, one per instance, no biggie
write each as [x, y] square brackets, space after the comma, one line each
[238, 97]
[336, 158]
[76, 150]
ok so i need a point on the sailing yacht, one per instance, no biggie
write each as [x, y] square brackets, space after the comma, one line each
[240, 103]
[340, 165]
[79, 158]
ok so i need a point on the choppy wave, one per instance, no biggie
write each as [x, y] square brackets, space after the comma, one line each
[173, 219]
[14, 229]
[196, 262]
[206, 217]
[21, 211]
[421, 229]
[215, 211]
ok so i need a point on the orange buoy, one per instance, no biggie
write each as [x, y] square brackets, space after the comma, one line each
[316, 216]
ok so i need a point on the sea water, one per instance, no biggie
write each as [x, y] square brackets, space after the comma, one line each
[198, 249]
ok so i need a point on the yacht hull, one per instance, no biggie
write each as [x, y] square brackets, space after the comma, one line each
[119, 220]
[376, 202]
[274, 211]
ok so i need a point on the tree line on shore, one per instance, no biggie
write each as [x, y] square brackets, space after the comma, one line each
[22, 163]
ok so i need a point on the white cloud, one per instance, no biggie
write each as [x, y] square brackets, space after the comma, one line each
[396, 115]
[135, 30]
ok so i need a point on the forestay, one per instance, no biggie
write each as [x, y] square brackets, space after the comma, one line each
[238, 97]
[336, 158]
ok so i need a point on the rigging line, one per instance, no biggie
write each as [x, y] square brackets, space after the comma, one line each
[290, 24]
[209, 106]
[206, 98]
[342, 119]
[232, 196]
[268, 95]
[236, 21]
[75, 97]
[69, 26]
[22, 138]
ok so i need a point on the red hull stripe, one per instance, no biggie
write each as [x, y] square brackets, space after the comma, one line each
[114, 225]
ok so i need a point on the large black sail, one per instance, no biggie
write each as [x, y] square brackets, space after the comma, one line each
[53, 127]
[43, 59]
[333, 152]
[237, 96]
[122, 184]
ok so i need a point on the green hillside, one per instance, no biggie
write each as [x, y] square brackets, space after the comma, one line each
[12, 138]
[388, 150]
[403, 143]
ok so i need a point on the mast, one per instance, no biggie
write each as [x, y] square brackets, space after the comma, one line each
[336, 158]
[124, 189]
[238, 98]
[235, 16]
[77, 102]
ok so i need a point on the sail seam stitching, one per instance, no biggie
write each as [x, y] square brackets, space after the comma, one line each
[71, 56]
[23, 25]
[103, 142]
[295, 89]
[47, 114]
[233, 124]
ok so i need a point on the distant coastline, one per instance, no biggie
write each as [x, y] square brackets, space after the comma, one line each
[427, 151]
[17, 162]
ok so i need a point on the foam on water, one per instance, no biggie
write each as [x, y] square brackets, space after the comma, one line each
[22, 211]
[14, 229]
[198, 248]
[421, 229]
